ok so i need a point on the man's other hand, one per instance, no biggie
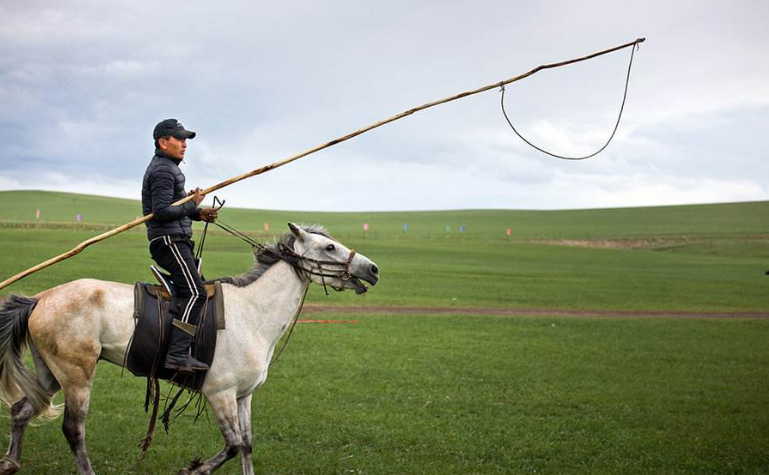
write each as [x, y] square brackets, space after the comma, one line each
[208, 215]
[197, 196]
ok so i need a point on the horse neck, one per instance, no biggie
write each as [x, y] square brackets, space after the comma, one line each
[276, 297]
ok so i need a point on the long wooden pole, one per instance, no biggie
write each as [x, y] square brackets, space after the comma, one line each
[79, 248]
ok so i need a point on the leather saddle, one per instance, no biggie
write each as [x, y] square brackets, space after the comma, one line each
[149, 344]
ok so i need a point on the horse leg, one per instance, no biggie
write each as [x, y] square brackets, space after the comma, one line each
[225, 407]
[246, 447]
[75, 412]
[22, 412]
[74, 368]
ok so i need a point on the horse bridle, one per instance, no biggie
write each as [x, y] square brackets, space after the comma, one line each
[318, 267]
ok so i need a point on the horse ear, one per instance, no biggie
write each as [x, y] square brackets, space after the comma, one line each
[295, 230]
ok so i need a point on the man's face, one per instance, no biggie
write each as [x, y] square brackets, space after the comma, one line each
[173, 146]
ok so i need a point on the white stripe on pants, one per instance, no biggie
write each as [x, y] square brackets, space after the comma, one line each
[187, 277]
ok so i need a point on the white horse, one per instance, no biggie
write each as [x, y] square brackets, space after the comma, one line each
[70, 327]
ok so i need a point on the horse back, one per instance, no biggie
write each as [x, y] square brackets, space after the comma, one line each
[77, 321]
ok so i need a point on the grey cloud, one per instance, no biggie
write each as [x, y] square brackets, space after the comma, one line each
[83, 82]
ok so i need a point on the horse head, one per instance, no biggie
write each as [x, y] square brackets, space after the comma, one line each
[326, 261]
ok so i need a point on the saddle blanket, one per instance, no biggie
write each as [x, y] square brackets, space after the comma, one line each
[149, 344]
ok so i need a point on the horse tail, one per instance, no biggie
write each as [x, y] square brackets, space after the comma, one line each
[16, 380]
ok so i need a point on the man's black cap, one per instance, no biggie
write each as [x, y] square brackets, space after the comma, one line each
[173, 128]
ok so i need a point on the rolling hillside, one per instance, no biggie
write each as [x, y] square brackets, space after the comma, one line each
[688, 258]
[713, 220]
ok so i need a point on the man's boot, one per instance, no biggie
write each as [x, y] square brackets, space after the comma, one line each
[178, 357]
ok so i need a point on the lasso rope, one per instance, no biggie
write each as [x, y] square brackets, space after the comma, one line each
[616, 125]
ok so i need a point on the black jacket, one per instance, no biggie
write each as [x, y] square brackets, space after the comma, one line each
[163, 184]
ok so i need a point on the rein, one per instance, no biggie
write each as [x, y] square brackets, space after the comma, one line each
[199, 253]
[296, 260]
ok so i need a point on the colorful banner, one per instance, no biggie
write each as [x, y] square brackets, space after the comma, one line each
[365, 226]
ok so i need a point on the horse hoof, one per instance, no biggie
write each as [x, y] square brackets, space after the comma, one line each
[192, 469]
[8, 466]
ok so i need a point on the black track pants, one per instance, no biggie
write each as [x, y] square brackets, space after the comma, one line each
[174, 254]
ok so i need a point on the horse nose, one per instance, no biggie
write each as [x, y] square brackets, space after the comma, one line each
[374, 269]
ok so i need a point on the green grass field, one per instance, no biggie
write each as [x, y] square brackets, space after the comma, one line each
[424, 394]
[438, 395]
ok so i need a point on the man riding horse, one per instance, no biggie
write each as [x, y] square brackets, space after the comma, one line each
[170, 234]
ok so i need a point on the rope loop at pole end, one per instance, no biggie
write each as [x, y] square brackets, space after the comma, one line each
[633, 47]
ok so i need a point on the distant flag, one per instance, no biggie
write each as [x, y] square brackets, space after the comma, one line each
[462, 228]
[509, 231]
[79, 217]
[37, 214]
[266, 226]
[405, 227]
[365, 226]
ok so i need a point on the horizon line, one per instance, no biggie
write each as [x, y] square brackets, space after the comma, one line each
[27, 190]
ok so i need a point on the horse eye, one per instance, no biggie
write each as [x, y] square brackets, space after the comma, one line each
[331, 248]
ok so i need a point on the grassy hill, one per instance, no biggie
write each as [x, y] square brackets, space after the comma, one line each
[730, 219]
[704, 257]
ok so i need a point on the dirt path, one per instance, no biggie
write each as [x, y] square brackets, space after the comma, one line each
[523, 312]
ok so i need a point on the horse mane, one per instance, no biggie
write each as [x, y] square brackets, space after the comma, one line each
[266, 258]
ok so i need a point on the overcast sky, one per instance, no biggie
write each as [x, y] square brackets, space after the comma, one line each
[82, 84]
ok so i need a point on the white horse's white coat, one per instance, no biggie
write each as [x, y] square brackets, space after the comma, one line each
[78, 323]
[256, 318]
